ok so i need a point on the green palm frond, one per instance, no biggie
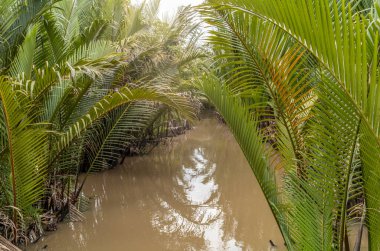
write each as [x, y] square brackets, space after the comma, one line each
[79, 69]
[16, 17]
[117, 99]
[258, 61]
[68, 14]
[244, 127]
[107, 139]
[332, 159]
[336, 82]
[338, 42]
[23, 62]
[26, 145]
[69, 162]
[53, 47]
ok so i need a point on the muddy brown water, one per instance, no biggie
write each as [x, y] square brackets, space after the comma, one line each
[195, 193]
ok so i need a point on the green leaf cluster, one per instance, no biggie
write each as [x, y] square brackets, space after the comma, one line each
[297, 81]
[79, 82]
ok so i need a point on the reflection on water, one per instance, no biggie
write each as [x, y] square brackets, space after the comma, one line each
[195, 187]
[196, 193]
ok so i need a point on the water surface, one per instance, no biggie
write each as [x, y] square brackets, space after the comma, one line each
[195, 193]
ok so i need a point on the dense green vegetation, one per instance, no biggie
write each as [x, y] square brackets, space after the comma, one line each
[82, 83]
[298, 84]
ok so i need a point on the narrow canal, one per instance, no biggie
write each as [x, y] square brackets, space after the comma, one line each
[195, 193]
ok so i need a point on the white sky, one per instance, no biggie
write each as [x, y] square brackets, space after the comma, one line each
[169, 7]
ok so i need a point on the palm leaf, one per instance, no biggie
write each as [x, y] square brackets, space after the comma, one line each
[23, 62]
[26, 143]
[117, 99]
[347, 58]
[244, 127]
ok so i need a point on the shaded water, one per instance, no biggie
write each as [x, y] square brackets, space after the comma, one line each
[196, 193]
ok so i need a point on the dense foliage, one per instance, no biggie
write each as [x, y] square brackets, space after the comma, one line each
[82, 82]
[298, 83]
